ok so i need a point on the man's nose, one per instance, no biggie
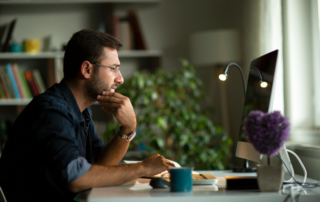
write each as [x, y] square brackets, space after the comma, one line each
[119, 79]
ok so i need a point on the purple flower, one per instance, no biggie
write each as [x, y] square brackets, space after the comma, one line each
[267, 131]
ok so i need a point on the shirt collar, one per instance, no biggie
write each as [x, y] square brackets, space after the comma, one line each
[85, 116]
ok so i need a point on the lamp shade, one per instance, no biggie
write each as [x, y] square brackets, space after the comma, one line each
[215, 47]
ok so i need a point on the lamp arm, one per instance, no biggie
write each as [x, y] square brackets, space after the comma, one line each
[261, 77]
[243, 80]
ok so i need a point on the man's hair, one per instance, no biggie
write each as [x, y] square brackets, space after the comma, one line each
[85, 45]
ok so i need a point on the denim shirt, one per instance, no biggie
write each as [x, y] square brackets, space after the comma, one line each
[51, 144]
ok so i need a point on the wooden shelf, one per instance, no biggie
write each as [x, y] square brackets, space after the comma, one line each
[45, 55]
[14, 102]
[73, 1]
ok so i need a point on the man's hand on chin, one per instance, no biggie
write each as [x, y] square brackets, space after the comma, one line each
[120, 106]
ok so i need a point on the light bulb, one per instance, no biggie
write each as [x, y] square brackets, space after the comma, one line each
[263, 84]
[223, 77]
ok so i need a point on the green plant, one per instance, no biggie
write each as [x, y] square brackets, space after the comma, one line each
[171, 121]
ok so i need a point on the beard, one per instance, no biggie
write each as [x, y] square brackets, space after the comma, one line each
[95, 86]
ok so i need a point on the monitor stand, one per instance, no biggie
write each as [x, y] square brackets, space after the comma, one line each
[246, 151]
[245, 168]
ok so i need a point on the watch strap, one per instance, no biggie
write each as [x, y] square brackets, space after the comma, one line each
[128, 137]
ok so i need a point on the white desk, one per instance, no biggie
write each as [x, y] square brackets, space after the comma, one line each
[140, 191]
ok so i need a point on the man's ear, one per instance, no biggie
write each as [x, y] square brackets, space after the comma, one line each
[86, 69]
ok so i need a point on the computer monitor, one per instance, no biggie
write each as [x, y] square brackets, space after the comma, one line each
[257, 98]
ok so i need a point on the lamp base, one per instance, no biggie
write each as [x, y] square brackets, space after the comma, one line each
[245, 168]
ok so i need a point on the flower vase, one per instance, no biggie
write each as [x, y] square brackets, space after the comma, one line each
[269, 177]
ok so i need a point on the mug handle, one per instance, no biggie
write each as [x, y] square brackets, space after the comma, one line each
[162, 183]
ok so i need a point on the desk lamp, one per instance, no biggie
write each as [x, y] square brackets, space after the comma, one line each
[263, 84]
[223, 77]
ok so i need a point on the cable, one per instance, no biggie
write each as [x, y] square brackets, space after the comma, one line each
[305, 185]
[302, 166]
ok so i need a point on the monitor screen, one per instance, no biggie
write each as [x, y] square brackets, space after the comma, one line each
[257, 98]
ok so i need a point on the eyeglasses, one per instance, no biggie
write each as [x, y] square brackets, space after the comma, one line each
[114, 69]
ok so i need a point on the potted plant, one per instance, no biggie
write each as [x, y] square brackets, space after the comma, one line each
[171, 121]
[267, 132]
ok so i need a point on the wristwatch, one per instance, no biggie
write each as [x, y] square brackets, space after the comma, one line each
[128, 137]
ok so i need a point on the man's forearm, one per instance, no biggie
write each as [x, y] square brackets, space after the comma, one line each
[100, 176]
[114, 151]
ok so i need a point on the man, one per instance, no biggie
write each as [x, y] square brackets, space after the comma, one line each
[53, 151]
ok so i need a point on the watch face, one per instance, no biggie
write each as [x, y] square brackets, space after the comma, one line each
[131, 136]
[126, 137]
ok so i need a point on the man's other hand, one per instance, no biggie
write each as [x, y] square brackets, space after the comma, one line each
[120, 106]
[156, 164]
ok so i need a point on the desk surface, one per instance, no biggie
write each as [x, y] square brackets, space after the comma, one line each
[140, 190]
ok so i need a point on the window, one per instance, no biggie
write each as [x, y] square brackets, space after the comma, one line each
[301, 53]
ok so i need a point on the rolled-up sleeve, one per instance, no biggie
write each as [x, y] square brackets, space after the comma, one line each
[76, 168]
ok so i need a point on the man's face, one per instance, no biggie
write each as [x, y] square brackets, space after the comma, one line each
[105, 78]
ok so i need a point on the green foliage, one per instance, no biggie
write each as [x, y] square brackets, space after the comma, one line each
[171, 121]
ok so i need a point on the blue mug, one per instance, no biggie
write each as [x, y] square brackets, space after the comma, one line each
[180, 179]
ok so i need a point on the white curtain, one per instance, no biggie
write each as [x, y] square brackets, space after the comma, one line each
[302, 70]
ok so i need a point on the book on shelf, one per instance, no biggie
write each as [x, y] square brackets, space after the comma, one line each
[139, 41]
[116, 28]
[2, 94]
[6, 32]
[15, 82]
[24, 84]
[38, 80]
[2, 85]
[31, 82]
[6, 84]
[127, 29]
[125, 34]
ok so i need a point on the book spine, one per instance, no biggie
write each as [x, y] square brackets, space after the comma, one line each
[124, 33]
[26, 76]
[6, 96]
[136, 29]
[7, 80]
[116, 29]
[24, 84]
[32, 82]
[6, 84]
[17, 79]
[38, 80]
[13, 82]
[2, 96]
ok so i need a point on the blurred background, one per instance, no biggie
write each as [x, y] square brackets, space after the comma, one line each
[157, 33]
